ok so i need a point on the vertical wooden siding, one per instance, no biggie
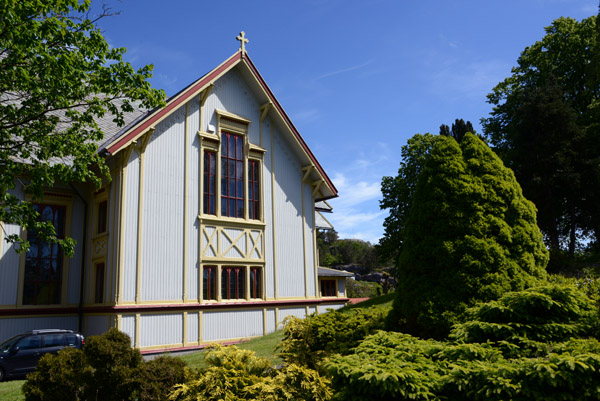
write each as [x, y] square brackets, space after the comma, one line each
[162, 245]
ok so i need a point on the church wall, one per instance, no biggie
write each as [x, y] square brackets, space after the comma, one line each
[285, 312]
[110, 282]
[309, 240]
[163, 211]
[224, 325]
[193, 200]
[74, 274]
[9, 262]
[268, 210]
[128, 326]
[12, 326]
[161, 329]
[288, 221]
[96, 324]
[233, 95]
[130, 228]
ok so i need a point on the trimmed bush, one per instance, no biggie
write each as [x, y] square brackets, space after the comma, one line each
[396, 366]
[234, 374]
[107, 369]
[307, 341]
[522, 322]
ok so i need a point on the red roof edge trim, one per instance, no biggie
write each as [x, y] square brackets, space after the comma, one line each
[184, 96]
[290, 124]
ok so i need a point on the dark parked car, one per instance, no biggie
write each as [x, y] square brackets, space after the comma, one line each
[20, 354]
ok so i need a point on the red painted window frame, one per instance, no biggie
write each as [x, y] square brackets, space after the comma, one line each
[209, 283]
[329, 288]
[254, 189]
[35, 278]
[256, 282]
[210, 182]
[233, 282]
[232, 175]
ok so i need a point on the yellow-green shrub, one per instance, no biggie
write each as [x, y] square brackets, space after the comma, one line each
[234, 374]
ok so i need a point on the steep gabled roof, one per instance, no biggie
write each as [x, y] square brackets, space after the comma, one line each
[240, 60]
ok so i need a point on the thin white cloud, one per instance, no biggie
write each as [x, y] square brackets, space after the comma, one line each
[344, 70]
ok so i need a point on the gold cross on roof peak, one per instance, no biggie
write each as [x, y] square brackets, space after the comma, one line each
[243, 41]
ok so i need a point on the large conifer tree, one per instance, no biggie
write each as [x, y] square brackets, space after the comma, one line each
[470, 235]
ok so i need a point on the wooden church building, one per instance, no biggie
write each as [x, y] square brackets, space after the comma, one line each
[205, 233]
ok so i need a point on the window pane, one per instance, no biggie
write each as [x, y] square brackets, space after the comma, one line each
[209, 282]
[29, 293]
[231, 149]
[224, 142]
[255, 283]
[239, 148]
[232, 208]
[102, 216]
[223, 167]
[47, 214]
[239, 171]
[43, 261]
[240, 208]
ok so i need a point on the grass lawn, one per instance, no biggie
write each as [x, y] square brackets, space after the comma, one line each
[11, 390]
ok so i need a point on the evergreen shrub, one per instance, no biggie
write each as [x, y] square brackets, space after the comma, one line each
[470, 236]
[543, 314]
[107, 368]
[233, 374]
[397, 366]
[307, 341]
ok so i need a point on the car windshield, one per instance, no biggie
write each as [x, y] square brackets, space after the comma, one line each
[6, 345]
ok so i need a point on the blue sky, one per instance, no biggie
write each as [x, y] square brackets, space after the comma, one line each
[357, 78]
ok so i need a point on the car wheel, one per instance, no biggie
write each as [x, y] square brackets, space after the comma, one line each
[1, 375]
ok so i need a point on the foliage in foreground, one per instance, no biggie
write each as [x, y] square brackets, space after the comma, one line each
[398, 366]
[58, 76]
[528, 345]
[307, 341]
[519, 323]
[470, 236]
[107, 368]
[234, 374]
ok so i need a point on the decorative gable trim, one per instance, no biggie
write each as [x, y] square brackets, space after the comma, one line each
[197, 87]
